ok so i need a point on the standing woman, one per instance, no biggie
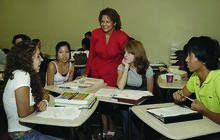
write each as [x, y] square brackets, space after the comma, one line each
[106, 53]
[23, 93]
[134, 73]
[106, 48]
[61, 70]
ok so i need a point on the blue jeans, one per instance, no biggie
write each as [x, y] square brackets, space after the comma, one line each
[35, 135]
[134, 130]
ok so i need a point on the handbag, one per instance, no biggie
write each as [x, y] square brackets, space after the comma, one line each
[80, 58]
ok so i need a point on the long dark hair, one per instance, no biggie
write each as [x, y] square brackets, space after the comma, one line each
[140, 58]
[20, 58]
[61, 44]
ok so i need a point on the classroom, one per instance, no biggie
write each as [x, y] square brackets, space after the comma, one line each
[161, 26]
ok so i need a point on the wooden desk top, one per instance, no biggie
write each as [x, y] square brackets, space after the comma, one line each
[180, 130]
[177, 84]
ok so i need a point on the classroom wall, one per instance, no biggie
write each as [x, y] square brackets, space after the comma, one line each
[159, 24]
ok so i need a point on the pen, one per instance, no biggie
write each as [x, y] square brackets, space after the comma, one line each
[76, 87]
[188, 98]
[65, 87]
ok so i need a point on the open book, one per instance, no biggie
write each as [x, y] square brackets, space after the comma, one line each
[82, 83]
[126, 95]
[174, 114]
[81, 99]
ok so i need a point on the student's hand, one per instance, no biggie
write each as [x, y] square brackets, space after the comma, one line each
[184, 77]
[198, 106]
[80, 77]
[42, 105]
[125, 64]
[178, 96]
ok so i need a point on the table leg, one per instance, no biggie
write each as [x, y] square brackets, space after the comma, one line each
[129, 123]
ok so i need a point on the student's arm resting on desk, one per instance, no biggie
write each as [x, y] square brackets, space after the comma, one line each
[198, 106]
[50, 73]
[122, 76]
[22, 95]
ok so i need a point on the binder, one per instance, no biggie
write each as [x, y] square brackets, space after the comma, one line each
[132, 101]
[175, 114]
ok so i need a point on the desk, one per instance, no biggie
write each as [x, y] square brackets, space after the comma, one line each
[177, 84]
[180, 130]
[169, 87]
[84, 116]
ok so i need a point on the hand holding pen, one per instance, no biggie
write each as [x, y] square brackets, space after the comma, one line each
[180, 97]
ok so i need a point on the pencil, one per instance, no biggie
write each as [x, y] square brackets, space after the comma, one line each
[188, 98]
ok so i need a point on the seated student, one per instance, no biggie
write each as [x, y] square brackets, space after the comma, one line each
[134, 73]
[85, 46]
[88, 34]
[61, 70]
[19, 38]
[23, 93]
[202, 59]
[44, 64]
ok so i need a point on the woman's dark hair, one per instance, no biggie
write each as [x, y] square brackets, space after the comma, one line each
[140, 58]
[61, 44]
[36, 40]
[113, 15]
[22, 36]
[89, 33]
[20, 58]
[86, 42]
[205, 49]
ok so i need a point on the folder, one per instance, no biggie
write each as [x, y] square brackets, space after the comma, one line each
[174, 114]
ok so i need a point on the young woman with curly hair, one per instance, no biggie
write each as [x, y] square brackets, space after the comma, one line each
[23, 92]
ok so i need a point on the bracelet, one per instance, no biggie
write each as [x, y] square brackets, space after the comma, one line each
[45, 102]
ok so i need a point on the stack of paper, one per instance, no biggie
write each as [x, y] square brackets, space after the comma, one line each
[60, 113]
[125, 95]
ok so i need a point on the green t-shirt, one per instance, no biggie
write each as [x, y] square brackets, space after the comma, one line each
[209, 92]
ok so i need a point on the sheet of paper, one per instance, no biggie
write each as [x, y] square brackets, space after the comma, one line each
[60, 113]
[171, 111]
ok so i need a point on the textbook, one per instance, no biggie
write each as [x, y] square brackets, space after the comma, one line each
[175, 113]
[81, 99]
[134, 97]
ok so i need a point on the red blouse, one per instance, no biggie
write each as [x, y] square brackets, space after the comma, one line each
[104, 58]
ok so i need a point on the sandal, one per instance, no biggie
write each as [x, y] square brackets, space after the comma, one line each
[103, 135]
[110, 134]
